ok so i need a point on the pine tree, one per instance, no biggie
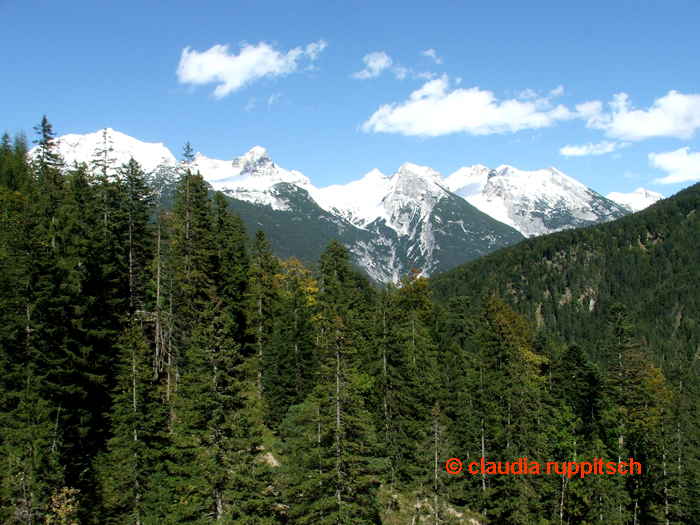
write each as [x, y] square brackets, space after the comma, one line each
[289, 365]
[408, 378]
[31, 448]
[102, 167]
[262, 300]
[635, 397]
[510, 400]
[331, 477]
[232, 264]
[126, 468]
[215, 471]
[15, 173]
[191, 262]
[134, 216]
[48, 168]
[193, 247]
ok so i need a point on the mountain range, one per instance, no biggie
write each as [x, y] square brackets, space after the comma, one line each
[412, 218]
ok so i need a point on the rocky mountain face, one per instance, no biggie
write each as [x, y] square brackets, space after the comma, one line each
[533, 202]
[414, 217]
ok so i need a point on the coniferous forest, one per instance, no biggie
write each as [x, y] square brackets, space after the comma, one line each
[160, 365]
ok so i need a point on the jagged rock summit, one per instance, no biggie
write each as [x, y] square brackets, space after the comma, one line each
[533, 202]
[388, 198]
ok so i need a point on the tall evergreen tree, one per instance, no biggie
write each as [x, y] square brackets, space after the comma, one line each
[126, 469]
[511, 402]
[48, 168]
[289, 364]
[262, 299]
[636, 399]
[135, 201]
[332, 476]
[232, 264]
[15, 173]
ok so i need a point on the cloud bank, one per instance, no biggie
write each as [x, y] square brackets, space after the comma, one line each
[232, 72]
[376, 63]
[674, 115]
[680, 165]
[592, 149]
[435, 110]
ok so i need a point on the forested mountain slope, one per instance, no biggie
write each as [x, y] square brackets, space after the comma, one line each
[568, 281]
[161, 365]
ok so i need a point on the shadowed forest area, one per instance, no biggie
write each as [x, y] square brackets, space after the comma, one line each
[160, 365]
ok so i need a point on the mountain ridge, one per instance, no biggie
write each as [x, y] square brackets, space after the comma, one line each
[414, 217]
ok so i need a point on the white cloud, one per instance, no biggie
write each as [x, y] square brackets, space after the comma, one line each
[557, 92]
[674, 115]
[376, 63]
[400, 72]
[253, 101]
[315, 48]
[434, 110]
[427, 75]
[232, 72]
[592, 149]
[432, 54]
[680, 165]
[527, 94]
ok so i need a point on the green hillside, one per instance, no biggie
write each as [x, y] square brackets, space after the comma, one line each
[567, 282]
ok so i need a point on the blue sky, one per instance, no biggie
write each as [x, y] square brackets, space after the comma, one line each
[607, 92]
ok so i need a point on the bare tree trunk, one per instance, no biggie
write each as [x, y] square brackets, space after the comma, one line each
[564, 483]
[137, 496]
[157, 360]
[483, 455]
[260, 338]
[131, 267]
[663, 440]
[678, 437]
[436, 447]
[386, 376]
[28, 328]
[337, 419]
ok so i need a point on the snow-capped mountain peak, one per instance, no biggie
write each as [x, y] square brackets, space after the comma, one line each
[380, 197]
[255, 171]
[419, 187]
[421, 172]
[375, 174]
[82, 148]
[637, 200]
[533, 202]
[256, 162]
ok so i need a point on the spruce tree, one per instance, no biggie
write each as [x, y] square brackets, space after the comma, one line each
[635, 399]
[232, 264]
[135, 201]
[126, 469]
[512, 404]
[15, 173]
[262, 301]
[289, 365]
[332, 473]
